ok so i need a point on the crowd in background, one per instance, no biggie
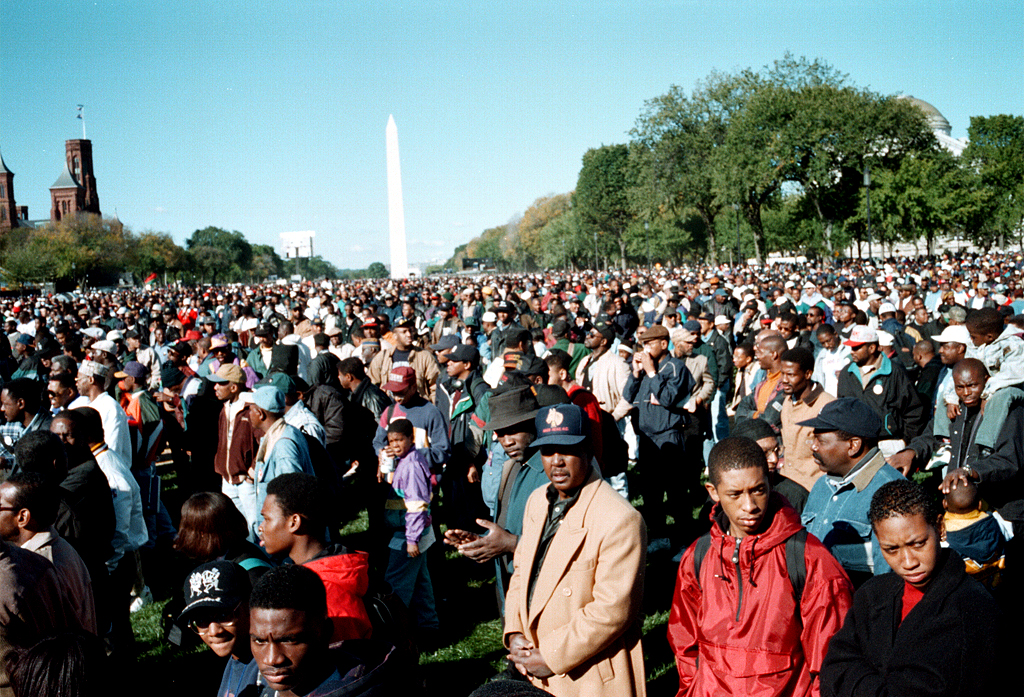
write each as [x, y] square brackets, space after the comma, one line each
[792, 434]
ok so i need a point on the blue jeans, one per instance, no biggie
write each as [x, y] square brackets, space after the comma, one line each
[244, 497]
[719, 421]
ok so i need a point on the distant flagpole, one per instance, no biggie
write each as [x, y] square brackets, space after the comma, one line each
[81, 115]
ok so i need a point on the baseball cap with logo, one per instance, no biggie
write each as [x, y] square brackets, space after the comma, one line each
[886, 308]
[216, 587]
[862, 334]
[400, 378]
[560, 424]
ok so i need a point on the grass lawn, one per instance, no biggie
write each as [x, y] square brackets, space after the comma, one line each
[472, 650]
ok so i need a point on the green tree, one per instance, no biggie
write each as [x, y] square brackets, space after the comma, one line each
[377, 270]
[994, 159]
[220, 253]
[601, 197]
[266, 262]
[674, 141]
[919, 200]
[155, 252]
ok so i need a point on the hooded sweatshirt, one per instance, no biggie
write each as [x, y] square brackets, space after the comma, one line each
[346, 576]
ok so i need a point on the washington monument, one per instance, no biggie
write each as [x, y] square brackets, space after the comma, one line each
[396, 212]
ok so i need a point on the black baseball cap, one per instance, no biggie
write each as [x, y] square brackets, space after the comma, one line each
[214, 587]
[849, 415]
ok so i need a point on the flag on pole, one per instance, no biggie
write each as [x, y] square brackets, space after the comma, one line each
[150, 278]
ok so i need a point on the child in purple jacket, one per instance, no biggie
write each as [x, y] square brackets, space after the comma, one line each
[408, 517]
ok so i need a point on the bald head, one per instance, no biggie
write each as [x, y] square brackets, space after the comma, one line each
[971, 367]
[924, 352]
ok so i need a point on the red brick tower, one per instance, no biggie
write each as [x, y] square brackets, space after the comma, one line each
[8, 209]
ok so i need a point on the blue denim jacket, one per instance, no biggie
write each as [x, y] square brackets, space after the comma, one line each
[836, 513]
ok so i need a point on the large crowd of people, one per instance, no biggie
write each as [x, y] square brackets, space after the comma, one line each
[829, 454]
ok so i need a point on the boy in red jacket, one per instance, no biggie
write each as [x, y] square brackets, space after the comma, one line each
[738, 629]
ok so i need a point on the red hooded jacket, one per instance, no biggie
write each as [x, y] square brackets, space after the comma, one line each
[742, 620]
[346, 576]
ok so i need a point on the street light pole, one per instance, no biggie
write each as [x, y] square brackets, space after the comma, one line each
[596, 263]
[647, 239]
[736, 208]
[867, 187]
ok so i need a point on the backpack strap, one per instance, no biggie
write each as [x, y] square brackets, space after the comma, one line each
[700, 550]
[796, 561]
[796, 564]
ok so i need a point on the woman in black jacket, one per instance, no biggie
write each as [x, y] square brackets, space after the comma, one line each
[928, 628]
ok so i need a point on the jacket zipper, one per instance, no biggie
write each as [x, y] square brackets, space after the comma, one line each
[739, 579]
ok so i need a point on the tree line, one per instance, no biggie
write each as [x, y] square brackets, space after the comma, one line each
[89, 250]
[778, 160]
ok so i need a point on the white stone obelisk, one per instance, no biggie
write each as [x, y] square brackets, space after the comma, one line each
[396, 211]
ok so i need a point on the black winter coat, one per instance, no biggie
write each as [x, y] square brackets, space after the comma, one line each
[891, 394]
[948, 644]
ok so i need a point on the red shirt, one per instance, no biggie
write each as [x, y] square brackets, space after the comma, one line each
[911, 597]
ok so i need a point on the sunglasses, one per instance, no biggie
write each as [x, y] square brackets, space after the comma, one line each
[224, 619]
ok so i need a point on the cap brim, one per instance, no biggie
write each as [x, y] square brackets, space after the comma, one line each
[819, 424]
[856, 343]
[205, 604]
[558, 440]
[393, 386]
[121, 374]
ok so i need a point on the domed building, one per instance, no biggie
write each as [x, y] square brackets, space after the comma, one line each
[939, 125]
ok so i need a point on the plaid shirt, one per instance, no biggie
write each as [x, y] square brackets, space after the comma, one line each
[10, 433]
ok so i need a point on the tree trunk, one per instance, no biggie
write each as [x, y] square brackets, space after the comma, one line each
[826, 225]
[753, 216]
[622, 250]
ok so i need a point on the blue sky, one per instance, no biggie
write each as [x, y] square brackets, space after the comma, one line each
[267, 117]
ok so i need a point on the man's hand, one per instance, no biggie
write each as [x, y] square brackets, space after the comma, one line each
[952, 411]
[473, 474]
[637, 365]
[527, 657]
[412, 549]
[903, 461]
[457, 537]
[647, 363]
[486, 547]
[956, 478]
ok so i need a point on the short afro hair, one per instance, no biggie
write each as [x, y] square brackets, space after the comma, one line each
[801, 356]
[302, 494]
[36, 492]
[986, 320]
[735, 453]
[402, 426]
[290, 587]
[26, 390]
[904, 498]
[42, 452]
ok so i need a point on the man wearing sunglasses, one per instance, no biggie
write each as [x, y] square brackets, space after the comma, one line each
[217, 609]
